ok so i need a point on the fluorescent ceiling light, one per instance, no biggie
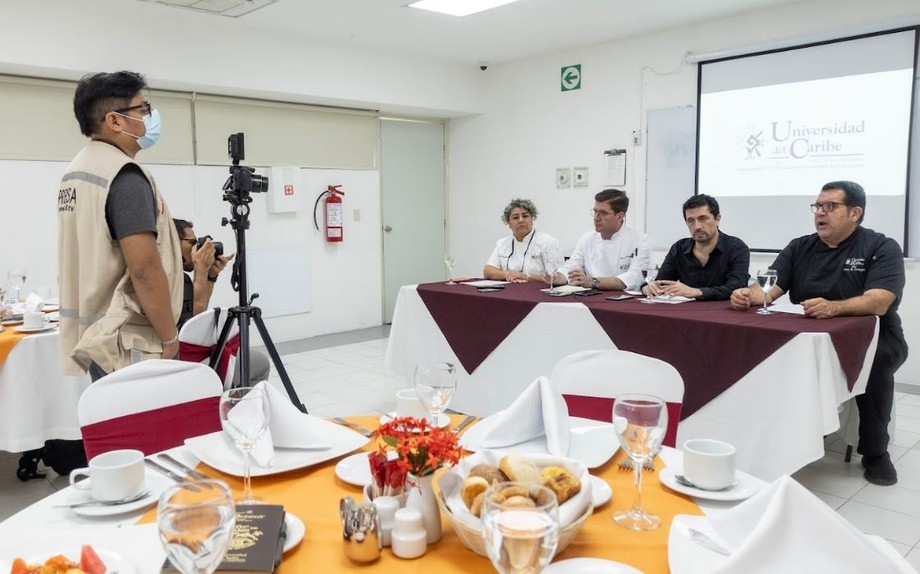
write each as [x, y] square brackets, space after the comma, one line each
[459, 7]
[231, 8]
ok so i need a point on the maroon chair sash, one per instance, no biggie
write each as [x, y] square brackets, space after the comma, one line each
[196, 353]
[154, 430]
[601, 409]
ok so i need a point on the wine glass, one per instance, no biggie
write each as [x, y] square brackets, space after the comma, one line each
[195, 520]
[435, 384]
[552, 263]
[520, 539]
[449, 260]
[766, 279]
[244, 414]
[640, 422]
[649, 274]
[17, 279]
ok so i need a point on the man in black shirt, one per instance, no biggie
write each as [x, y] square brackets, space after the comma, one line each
[709, 264]
[846, 269]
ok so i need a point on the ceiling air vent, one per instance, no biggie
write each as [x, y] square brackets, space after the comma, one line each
[231, 8]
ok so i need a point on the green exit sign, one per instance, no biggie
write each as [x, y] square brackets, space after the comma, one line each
[571, 78]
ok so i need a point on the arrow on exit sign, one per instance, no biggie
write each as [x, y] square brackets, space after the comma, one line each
[571, 78]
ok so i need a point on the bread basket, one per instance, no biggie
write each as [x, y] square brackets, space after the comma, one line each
[471, 535]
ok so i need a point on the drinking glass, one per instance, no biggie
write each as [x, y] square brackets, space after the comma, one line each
[640, 422]
[435, 384]
[552, 263]
[244, 414]
[520, 540]
[195, 520]
[17, 279]
[449, 260]
[649, 274]
[766, 279]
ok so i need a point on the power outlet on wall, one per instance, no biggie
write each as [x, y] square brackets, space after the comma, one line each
[563, 177]
[580, 177]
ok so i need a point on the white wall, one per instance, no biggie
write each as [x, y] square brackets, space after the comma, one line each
[529, 127]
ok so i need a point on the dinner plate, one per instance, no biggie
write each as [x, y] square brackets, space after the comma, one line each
[589, 566]
[745, 487]
[591, 442]
[50, 307]
[154, 482]
[354, 469]
[443, 420]
[295, 531]
[600, 491]
[218, 451]
[11, 322]
[46, 327]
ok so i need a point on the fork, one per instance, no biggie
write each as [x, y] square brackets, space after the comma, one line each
[128, 500]
[627, 464]
[365, 432]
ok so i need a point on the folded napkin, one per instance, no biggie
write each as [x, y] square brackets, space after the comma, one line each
[785, 528]
[288, 428]
[34, 303]
[539, 410]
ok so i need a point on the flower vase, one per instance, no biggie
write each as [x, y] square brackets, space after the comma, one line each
[422, 497]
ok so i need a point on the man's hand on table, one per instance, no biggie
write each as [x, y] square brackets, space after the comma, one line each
[741, 299]
[579, 278]
[820, 308]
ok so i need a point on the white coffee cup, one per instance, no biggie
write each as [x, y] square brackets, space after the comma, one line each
[408, 405]
[709, 464]
[34, 320]
[113, 475]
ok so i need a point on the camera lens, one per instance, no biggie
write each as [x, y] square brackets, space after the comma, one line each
[218, 248]
[259, 183]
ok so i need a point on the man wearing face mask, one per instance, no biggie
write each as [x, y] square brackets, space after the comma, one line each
[120, 265]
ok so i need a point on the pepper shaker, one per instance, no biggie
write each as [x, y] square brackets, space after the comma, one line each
[409, 538]
[386, 510]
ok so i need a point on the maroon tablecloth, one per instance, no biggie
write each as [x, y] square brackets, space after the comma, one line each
[710, 345]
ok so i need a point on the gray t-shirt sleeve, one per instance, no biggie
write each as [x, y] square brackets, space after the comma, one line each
[130, 207]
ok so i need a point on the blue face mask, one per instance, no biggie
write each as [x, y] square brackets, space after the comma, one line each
[152, 125]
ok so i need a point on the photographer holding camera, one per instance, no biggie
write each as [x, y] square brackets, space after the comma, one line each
[203, 260]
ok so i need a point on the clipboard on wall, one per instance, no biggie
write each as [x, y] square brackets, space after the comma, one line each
[615, 167]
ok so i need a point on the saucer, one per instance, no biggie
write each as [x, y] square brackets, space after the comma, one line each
[443, 420]
[354, 469]
[153, 482]
[745, 487]
[589, 566]
[22, 329]
[295, 531]
[600, 491]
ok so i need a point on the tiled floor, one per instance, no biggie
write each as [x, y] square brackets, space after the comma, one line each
[345, 375]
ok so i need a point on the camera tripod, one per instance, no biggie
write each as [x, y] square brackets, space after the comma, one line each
[239, 200]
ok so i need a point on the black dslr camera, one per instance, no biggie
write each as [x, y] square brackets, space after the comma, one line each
[242, 180]
[218, 245]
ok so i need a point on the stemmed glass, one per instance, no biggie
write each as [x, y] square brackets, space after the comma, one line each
[519, 539]
[766, 279]
[435, 384]
[449, 260]
[640, 422]
[552, 262]
[196, 521]
[244, 414]
[17, 279]
[649, 274]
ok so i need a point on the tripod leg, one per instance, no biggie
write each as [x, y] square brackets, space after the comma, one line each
[222, 339]
[275, 357]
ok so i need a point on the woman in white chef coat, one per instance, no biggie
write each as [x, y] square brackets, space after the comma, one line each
[519, 257]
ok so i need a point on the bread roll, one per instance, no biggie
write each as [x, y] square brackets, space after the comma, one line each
[564, 484]
[471, 488]
[490, 472]
[476, 506]
[549, 471]
[519, 502]
[519, 469]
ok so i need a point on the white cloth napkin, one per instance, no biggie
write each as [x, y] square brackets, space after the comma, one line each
[785, 528]
[34, 303]
[539, 410]
[288, 428]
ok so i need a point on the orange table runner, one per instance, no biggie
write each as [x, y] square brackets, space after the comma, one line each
[8, 340]
[313, 494]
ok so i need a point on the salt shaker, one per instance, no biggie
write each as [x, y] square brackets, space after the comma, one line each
[386, 510]
[360, 530]
[409, 539]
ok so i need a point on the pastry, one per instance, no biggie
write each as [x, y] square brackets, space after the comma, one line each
[564, 485]
[519, 502]
[471, 488]
[490, 472]
[519, 469]
[476, 506]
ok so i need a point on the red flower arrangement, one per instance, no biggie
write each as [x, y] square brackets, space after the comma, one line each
[421, 449]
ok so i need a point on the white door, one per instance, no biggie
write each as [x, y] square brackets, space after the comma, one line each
[412, 188]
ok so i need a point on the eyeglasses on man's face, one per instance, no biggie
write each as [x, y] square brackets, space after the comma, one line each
[145, 107]
[826, 207]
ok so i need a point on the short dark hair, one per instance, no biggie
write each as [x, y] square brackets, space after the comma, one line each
[616, 198]
[182, 225]
[524, 204]
[700, 200]
[854, 195]
[98, 94]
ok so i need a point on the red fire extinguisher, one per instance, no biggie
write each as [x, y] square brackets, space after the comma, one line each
[333, 210]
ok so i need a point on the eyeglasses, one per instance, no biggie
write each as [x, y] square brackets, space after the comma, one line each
[191, 241]
[599, 213]
[146, 107]
[826, 207]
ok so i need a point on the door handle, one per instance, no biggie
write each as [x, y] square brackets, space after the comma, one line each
[387, 228]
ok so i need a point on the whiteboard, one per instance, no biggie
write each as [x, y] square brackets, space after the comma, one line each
[670, 168]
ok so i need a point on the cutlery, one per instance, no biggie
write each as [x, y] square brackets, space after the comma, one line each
[357, 427]
[681, 479]
[464, 423]
[627, 464]
[128, 500]
[707, 542]
[186, 469]
[163, 470]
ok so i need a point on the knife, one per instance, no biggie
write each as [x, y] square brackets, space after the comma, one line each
[464, 423]
[186, 469]
[163, 470]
